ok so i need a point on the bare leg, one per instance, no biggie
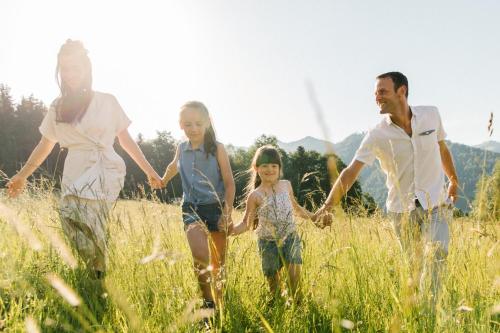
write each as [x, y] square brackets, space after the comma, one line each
[274, 283]
[198, 242]
[217, 242]
[294, 281]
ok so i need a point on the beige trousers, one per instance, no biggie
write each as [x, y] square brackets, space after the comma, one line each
[84, 223]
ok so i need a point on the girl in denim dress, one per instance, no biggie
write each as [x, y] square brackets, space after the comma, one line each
[208, 195]
[270, 207]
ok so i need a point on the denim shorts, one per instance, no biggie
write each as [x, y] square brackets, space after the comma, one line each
[209, 214]
[274, 254]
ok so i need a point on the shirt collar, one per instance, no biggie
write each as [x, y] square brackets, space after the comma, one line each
[388, 117]
[188, 147]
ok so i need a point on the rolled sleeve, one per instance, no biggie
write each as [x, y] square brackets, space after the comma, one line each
[441, 134]
[122, 120]
[365, 152]
[48, 126]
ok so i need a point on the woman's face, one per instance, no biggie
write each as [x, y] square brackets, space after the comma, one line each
[193, 124]
[72, 71]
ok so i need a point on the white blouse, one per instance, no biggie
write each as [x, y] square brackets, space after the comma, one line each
[92, 170]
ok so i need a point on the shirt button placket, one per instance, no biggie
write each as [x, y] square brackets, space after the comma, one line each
[193, 177]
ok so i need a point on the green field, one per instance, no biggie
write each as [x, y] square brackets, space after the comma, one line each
[355, 278]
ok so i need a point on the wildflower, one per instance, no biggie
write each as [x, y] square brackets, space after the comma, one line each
[347, 324]
[31, 325]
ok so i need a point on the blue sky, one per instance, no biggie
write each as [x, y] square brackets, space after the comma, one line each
[248, 61]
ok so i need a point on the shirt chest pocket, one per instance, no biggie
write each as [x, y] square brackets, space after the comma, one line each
[427, 141]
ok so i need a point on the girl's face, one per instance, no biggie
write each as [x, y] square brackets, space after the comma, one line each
[269, 172]
[72, 71]
[194, 124]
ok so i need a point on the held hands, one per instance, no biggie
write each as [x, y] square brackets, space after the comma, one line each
[225, 223]
[15, 186]
[322, 218]
[155, 181]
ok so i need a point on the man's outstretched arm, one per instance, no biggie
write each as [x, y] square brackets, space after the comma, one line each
[346, 178]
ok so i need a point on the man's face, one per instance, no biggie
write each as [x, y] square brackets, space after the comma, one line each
[386, 98]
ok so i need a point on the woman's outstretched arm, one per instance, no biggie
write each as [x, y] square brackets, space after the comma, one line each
[38, 155]
[130, 146]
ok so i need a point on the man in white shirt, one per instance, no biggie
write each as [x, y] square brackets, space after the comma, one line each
[409, 144]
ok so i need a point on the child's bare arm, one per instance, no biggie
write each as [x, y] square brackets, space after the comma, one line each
[171, 170]
[248, 218]
[299, 210]
[227, 178]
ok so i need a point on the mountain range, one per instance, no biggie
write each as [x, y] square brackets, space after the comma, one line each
[490, 145]
[470, 162]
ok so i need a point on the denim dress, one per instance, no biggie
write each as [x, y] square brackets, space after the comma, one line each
[202, 186]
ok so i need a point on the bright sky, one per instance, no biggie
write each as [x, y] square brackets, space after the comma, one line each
[248, 60]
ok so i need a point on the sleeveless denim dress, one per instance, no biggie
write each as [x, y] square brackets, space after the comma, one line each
[202, 186]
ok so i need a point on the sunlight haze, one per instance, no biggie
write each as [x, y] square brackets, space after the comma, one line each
[249, 61]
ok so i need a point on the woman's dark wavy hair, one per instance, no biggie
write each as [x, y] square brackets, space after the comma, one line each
[72, 105]
[209, 140]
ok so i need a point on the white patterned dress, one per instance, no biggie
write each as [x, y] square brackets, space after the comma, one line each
[93, 173]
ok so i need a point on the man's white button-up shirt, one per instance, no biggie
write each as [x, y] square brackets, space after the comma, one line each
[412, 165]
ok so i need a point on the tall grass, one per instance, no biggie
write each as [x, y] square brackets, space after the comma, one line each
[355, 278]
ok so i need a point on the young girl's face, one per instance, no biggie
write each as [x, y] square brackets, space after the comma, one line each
[269, 172]
[194, 124]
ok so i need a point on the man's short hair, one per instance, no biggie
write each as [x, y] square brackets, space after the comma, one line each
[398, 78]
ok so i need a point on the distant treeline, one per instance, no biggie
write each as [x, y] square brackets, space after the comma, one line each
[306, 170]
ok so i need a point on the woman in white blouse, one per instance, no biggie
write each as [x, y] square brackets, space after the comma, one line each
[86, 122]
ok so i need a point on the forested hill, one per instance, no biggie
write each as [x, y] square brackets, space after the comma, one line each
[307, 171]
[19, 135]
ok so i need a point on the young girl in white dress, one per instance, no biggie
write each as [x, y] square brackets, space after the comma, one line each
[270, 209]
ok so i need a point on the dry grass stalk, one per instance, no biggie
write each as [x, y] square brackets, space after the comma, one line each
[64, 290]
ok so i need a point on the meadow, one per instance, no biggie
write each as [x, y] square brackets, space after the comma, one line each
[355, 277]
